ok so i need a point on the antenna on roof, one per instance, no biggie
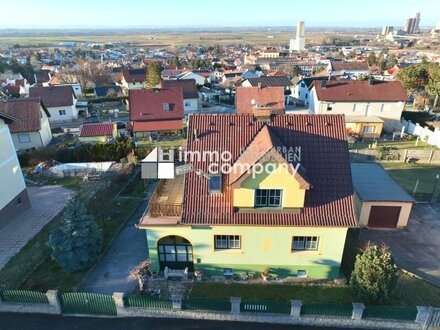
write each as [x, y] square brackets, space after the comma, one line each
[200, 173]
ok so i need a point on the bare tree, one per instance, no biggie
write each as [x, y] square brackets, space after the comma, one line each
[87, 73]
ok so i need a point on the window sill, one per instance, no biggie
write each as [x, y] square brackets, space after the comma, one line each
[305, 253]
[268, 210]
[228, 251]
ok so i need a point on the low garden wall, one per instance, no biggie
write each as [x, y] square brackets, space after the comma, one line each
[356, 315]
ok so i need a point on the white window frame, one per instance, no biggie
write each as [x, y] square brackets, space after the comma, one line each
[267, 195]
[305, 243]
[366, 129]
[227, 242]
[24, 138]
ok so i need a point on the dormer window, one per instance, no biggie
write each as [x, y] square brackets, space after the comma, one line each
[215, 184]
[166, 107]
[268, 197]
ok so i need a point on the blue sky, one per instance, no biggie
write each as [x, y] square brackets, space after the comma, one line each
[162, 13]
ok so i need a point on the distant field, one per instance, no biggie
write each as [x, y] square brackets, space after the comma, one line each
[168, 39]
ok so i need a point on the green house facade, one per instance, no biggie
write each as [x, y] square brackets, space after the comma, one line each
[292, 218]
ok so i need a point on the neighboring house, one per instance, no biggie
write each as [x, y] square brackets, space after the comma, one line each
[14, 198]
[249, 99]
[349, 69]
[294, 222]
[42, 78]
[99, 132]
[300, 89]
[132, 78]
[156, 110]
[380, 201]
[59, 100]
[75, 86]
[368, 105]
[108, 91]
[168, 74]
[33, 129]
[14, 83]
[274, 81]
[200, 77]
[191, 100]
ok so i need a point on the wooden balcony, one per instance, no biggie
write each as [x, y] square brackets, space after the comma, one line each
[167, 199]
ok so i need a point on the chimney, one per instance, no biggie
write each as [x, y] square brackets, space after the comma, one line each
[323, 83]
[196, 135]
[259, 86]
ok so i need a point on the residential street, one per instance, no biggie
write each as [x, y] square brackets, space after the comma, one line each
[415, 247]
[52, 322]
[127, 250]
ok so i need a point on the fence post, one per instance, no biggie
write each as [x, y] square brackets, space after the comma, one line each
[430, 156]
[358, 310]
[54, 300]
[295, 310]
[118, 298]
[235, 305]
[176, 301]
[405, 156]
[423, 314]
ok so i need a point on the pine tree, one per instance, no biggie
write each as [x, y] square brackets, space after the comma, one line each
[153, 74]
[76, 242]
[375, 275]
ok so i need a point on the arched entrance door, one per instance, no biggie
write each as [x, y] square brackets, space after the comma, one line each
[175, 252]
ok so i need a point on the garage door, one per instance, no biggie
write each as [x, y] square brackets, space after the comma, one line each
[384, 216]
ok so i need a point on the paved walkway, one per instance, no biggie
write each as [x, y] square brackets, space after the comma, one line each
[127, 250]
[416, 248]
[47, 202]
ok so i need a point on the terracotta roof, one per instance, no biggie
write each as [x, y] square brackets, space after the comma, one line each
[158, 125]
[8, 118]
[324, 155]
[134, 75]
[264, 146]
[277, 73]
[349, 66]
[272, 97]
[275, 81]
[188, 86]
[360, 90]
[54, 96]
[99, 129]
[150, 104]
[28, 110]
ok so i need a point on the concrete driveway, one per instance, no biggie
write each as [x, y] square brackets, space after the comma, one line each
[46, 202]
[416, 248]
[127, 250]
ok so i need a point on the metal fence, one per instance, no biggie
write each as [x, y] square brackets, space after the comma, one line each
[336, 310]
[266, 307]
[23, 296]
[87, 303]
[201, 304]
[147, 302]
[390, 312]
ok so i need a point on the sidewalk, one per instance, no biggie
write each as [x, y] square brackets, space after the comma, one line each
[47, 202]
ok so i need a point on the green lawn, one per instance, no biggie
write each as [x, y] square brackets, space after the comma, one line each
[163, 144]
[33, 269]
[410, 292]
[408, 174]
[395, 144]
[272, 292]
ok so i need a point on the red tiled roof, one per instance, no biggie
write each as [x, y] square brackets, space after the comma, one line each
[188, 86]
[324, 156]
[360, 90]
[349, 66]
[99, 129]
[54, 96]
[272, 97]
[158, 125]
[28, 110]
[148, 104]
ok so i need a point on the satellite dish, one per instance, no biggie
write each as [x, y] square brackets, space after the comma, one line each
[253, 102]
